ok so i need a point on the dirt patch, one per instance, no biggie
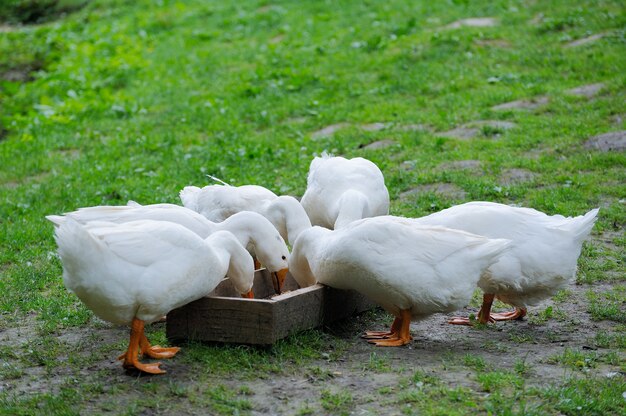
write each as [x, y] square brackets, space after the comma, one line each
[412, 127]
[585, 41]
[516, 176]
[497, 43]
[329, 130]
[448, 190]
[615, 140]
[488, 128]
[473, 165]
[21, 73]
[369, 375]
[373, 126]
[530, 104]
[587, 91]
[334, 128]
[473, 22]
[618, 119]
[380, 144]
[39, 11]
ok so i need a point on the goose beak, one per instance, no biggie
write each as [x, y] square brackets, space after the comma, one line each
[248, 295]
[278, 279]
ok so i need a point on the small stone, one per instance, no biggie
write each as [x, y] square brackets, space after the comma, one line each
[373, 126]
[329, 130]
[530, 104]
[618, 118]
[461, 164]
[412, 127]
[4, 28]
[537, 19]
[473, 22]
[276, 39]
[380, 144]
[585, 41]
[409, 164]
[448, 190]
[515, 176]
[472, 129]
[615, 140]
[498, 43]
[462, 133]
[588, 91]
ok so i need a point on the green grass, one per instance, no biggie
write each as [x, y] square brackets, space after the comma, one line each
[336, 403]
[105, 101]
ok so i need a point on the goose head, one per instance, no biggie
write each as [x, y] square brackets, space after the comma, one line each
[260, 237]
[306, 252]
[239, 263]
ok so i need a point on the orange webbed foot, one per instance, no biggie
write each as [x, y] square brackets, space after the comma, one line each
[391, 342]
[152, 368]
[518, 313]
[160, 352]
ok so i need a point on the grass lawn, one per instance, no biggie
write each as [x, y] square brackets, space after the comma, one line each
[104, 101]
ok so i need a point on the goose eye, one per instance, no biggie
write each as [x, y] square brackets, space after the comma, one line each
[284, 258]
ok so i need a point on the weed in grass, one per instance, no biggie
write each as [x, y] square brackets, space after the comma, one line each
[609, 305]
[522, 368]
[9, 371]
[611, 340]
[420, 378]
[581, 360]
[599, 263]
[378, 363]
[521, 337]
[337, 403]
[475, 362]
[385, 390]
[305, 410]
[319, 374]
[494, 346]
[176, 389]
[497, 380]
[588, 396]
[224, 401]
[562, 295]
[540, 318]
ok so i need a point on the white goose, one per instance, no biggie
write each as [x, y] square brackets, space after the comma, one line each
[252, 230]
[542, 258]
[218, 202]
[341, 190]
[411, 271]
[136, 272]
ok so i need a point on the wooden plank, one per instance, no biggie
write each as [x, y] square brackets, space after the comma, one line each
[340, 304]
[220, 318]
[298, 310]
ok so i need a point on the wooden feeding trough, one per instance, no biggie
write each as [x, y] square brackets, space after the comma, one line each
[224, 316]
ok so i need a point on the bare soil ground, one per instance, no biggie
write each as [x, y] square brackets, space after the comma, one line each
[438, 349]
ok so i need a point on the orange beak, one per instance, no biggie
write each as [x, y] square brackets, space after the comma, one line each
[278, 279]
[248, 295]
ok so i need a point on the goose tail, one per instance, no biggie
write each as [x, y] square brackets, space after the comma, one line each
[189, 197]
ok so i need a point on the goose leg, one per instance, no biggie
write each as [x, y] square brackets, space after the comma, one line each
[130, 358]
[483, 315]
[518, 313]
[402, 337]
[395, 327]
[257, 264]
